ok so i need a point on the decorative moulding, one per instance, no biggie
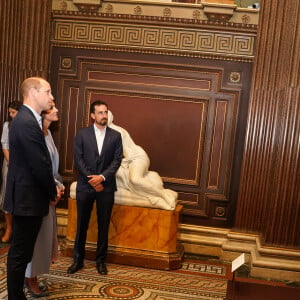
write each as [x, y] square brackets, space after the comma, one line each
[88, 6]
[226, 244]
[218, 12]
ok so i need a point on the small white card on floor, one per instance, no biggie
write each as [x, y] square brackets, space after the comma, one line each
[238, 262]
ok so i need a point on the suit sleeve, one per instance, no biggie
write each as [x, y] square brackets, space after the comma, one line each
[80, 164]
[113, 167]
[38, 158]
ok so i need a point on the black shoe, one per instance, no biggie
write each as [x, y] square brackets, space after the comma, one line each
[75, 267]
[101, 268]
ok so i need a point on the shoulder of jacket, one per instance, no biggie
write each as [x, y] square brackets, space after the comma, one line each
[109, 129]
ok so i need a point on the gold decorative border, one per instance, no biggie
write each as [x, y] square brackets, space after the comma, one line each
[182, 41]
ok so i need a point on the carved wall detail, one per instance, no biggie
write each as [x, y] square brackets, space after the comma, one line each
[66, 63]
[137, 10]
[177, 99]
[89, 8]
[109, 8]
[235, 77]
[183, 41]
[167, 12]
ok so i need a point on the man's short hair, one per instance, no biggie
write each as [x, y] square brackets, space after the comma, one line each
[97, 103]
[31, 82]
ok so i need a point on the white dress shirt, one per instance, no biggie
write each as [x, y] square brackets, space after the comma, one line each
[100, 135]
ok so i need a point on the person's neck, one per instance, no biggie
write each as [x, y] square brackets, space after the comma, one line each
[100, 126]
[33, 105]
[46, 126]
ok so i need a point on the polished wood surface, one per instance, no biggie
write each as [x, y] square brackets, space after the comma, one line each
[195, 127]
[247, 289]
[24, 46]
[269, 196]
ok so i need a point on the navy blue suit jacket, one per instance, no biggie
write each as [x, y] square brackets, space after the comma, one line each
[30, 184]
[89, 162]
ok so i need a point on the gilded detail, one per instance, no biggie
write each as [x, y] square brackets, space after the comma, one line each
[154, 37]
[220, 211]
[196, 14]
[167, 12]
[63, 5]
[88, 8]
[109, 8]
[246, 19]
[235, 77]
[66, 63]
[137, 10]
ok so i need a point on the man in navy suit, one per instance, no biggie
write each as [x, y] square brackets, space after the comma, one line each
[30, 183]
[98, 154]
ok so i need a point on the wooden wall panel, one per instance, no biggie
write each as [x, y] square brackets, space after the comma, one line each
[183, 111]
[269, 198]
[24, 47]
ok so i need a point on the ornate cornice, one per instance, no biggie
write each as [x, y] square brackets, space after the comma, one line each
[87, 8]
[213, 22]
[218, 13]
[154, 51]
[212, 14]
[195, 30]
[149, 38]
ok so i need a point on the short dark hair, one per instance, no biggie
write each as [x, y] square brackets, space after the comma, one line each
[97, 103]
[15, 105]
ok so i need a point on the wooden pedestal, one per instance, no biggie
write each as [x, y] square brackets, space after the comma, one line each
[138, 236]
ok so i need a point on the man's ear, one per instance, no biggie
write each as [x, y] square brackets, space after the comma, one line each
[32, 92]
[93, 116]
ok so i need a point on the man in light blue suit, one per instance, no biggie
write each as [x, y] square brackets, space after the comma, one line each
[98, 154]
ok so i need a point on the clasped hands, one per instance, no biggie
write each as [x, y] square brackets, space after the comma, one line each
[96, 182]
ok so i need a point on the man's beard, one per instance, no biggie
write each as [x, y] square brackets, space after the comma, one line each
[103, 122]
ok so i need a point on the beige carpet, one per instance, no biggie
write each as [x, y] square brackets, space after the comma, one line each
[195, 280]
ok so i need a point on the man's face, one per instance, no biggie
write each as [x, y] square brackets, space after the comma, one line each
[100, 115]
[44, 97]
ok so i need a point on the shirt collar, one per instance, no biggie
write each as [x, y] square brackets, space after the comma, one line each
[36, 115]
[101, 131]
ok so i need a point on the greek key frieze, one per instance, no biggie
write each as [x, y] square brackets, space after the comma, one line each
[169, 39]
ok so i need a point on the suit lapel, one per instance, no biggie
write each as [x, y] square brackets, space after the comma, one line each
[105, 141]
[93, 140]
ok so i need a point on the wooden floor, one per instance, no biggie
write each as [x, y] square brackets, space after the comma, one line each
[246, 288]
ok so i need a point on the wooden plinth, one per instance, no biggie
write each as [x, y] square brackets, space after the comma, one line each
[138, 236]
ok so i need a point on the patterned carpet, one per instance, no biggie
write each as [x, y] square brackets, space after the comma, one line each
[195, 280]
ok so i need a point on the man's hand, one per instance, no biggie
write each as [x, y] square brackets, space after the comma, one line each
[59, 193]
[96, 182]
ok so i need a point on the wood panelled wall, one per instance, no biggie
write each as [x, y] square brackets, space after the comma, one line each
[269, 197]
[209, 115]
[178, 85]
[24, 48]
[187, 113]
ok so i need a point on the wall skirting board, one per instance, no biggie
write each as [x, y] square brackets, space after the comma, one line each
[226, 244]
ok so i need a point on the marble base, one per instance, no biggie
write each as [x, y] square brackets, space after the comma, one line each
[138, 236]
